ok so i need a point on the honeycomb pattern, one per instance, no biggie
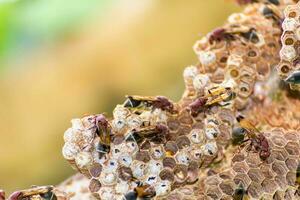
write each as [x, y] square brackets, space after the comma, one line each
[288, 68]
[274, 119]
[170, 166]
[247, 48]
[271, 179]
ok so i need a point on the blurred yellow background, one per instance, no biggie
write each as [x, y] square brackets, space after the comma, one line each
[62, 59]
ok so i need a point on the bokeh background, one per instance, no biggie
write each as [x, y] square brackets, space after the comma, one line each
[61, 59]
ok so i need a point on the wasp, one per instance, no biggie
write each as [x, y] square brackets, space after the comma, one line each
[219, 95]
[154, 133]
[36, 192]
[272, 12]
[103, 130]
[220, 34]
[145, 102]
[250, 35]
[258, 140]
[240, 193]
[293, 78]
[142, 192]
[229, 33]
[217, 90]
[248, 126]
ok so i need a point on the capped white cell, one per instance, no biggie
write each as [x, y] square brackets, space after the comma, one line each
[289, 24]
[183, 158]
[200, 81]
[122, 187]
[120, 112]
[138, 169]
[108, 178]
[125, 159]
[288, 53]
[190, 72]
[154, 167]
[77, 124]
[69, 151]
[118, 123]
[68, 135]
[134, 121]
[207, 57]
[211, 132]
[162, 188]
[197, 136]
[210, 149]
[83, 159]
[107, 193]
[151, 179]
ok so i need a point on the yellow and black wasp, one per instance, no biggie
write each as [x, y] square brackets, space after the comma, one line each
[154, 133]
[141, 103]
[141, 192]
[258, 140]
[35, 193]
[220, 95]
[103, 130]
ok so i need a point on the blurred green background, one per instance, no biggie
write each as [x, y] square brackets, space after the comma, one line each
[63, 59]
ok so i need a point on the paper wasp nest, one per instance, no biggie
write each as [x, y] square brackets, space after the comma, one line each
[233, 135]
[289, 65]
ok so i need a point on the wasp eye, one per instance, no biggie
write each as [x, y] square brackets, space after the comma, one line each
[238, 135]
[267, 12]
[130, 196]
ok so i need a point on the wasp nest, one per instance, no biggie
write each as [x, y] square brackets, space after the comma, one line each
[289, 66]
[234, 134]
